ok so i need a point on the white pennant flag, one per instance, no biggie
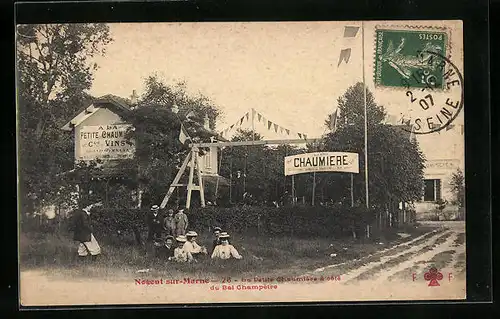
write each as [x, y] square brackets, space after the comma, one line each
[349, 36]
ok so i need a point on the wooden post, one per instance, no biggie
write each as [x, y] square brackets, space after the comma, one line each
[352, 190]
[190, 185]
[314, 188]
[139, 197]
[253, 127]
[231, 178]
[175, 181]
[293, 189]
[200, 180]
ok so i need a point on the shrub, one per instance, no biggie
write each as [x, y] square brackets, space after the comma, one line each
[114, 220]
[305, 221]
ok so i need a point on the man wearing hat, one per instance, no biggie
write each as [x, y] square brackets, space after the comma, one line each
[181, 223]
[217, 231]
[169, 223]
[225, 250]
[166, 250]
[180, 255]
[192, 246]
[154, 223]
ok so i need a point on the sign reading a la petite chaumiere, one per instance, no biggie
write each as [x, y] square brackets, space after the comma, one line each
[106, 142]
[322, 162]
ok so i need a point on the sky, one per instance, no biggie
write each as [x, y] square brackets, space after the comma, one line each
[286, 71]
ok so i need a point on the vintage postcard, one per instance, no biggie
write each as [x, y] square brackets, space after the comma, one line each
[237, 162]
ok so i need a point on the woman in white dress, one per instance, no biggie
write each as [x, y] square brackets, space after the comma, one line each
[191, 246]
[225, 250]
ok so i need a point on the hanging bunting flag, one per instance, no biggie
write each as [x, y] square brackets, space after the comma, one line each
[231, 127]
[281, 130]
[350, 32]
[305, 136]
[269, 125]
[241, 120]
[435, 126]
[345, 54]
[246, 116]
[276, 128]
[259, 117]
[300, 135]
[287, 131]
[183, 135]
[190, 115]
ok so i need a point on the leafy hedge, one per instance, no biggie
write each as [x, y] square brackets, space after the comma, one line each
[298, 221]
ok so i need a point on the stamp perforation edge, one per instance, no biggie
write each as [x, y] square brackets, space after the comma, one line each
[397, 27]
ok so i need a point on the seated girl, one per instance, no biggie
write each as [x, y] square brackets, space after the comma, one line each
[180, 255]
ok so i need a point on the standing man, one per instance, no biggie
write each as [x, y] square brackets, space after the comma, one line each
[181, 223]
[154, 223]
[169, 223]
[81, 226]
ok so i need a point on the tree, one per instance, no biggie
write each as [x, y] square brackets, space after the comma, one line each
[261, 168]
[54, 64]
[54, 68]
[395, 164]
[160, 94]
[159, 154]
[457, 184]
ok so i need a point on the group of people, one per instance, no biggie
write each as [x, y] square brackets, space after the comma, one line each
[174, 226]
[186, 248]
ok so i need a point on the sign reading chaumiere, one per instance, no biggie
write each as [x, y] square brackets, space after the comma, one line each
[105, 142]
[322, 162]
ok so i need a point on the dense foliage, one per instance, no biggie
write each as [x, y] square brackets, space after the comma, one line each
[302, 221]
[457, 184]
[395, 161]
[53, 69]
[159, 153]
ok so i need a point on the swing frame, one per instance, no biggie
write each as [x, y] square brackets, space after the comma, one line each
[193, 160]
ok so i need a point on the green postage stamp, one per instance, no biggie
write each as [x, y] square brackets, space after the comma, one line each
[407, 58]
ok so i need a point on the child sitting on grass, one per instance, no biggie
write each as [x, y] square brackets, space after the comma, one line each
[180, 255]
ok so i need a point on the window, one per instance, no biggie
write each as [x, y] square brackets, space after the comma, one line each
[207, 159]
[432, 190]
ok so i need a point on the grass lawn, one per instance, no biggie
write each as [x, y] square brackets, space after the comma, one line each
[262, 256]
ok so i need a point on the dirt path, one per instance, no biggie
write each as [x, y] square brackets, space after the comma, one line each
[443, 249]
[396, 273]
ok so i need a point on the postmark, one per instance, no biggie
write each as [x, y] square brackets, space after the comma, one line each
[395, 57]
[434, 102]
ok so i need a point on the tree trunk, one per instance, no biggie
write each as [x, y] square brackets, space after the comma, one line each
[137, 235]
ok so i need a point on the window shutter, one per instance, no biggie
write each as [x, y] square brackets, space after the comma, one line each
[438, 189]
